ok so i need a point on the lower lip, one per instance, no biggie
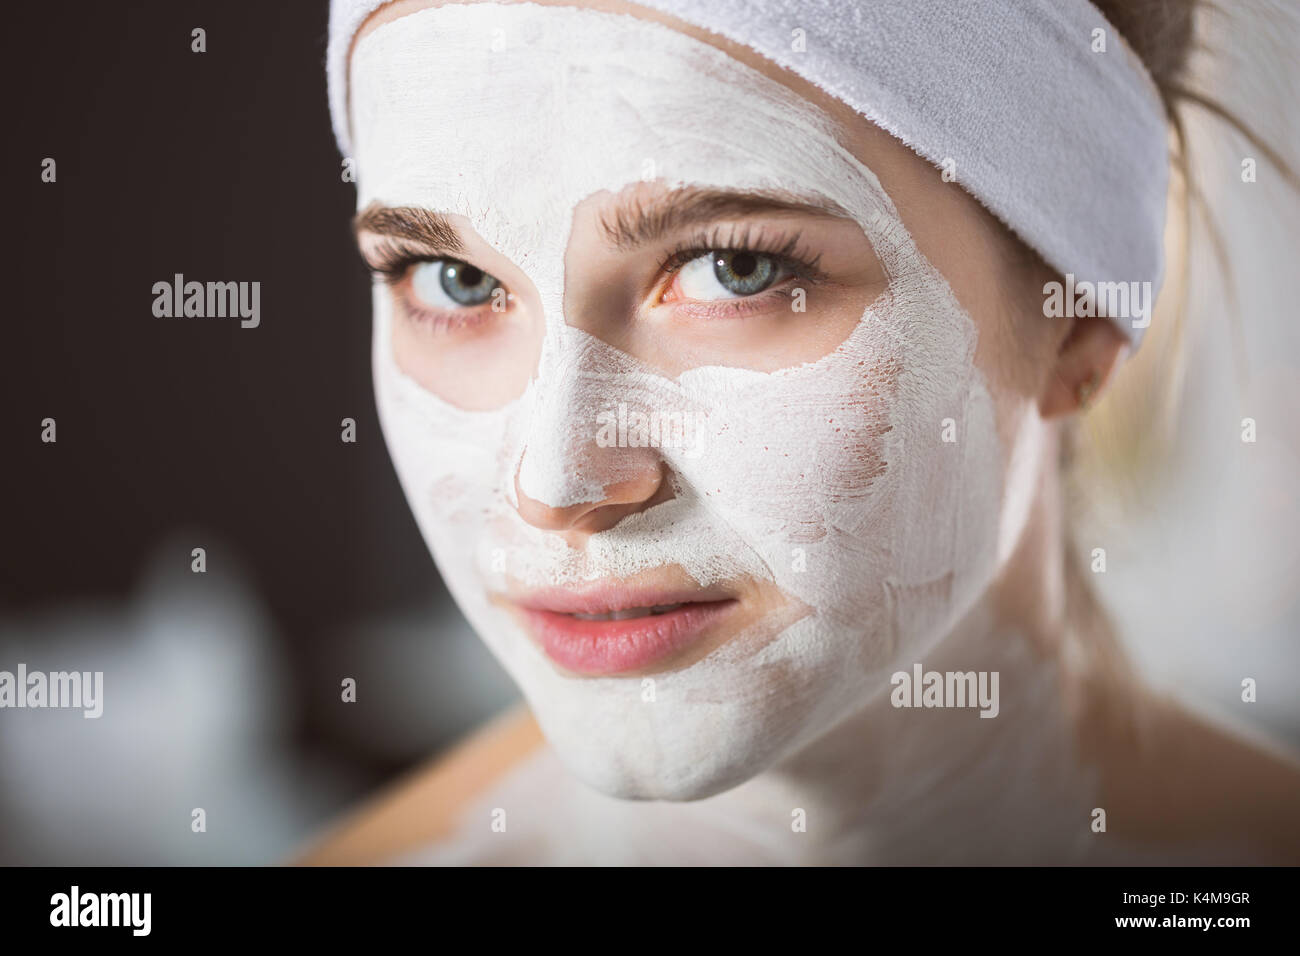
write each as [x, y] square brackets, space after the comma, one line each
[604, 648]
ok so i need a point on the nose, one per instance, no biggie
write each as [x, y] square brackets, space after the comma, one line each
[645, 487]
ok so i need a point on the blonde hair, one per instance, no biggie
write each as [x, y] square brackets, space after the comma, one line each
[1122, 442]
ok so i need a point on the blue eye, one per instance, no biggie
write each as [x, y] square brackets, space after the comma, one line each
[452, 284]
[729, 273]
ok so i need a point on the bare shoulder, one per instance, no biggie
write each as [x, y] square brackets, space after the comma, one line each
[1207, 775]
[423, 805]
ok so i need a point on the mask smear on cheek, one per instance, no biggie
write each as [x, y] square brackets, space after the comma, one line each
[865, 485]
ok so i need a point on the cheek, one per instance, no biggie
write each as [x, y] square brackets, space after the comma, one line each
[445, 457]
[480, 366]
[791, 459]
[869, 482]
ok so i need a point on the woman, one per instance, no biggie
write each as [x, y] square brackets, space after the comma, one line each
[735, 426]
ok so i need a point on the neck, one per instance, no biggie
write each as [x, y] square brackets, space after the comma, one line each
[943, 784]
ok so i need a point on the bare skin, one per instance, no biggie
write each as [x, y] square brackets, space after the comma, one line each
[1166, 777]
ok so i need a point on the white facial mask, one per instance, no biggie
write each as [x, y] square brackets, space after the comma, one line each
[832, 479]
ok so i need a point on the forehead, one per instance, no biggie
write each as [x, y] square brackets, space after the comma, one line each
[737, 51]
[491, 110]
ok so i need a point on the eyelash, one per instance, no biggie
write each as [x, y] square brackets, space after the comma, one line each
[391, 260]
[784, 249]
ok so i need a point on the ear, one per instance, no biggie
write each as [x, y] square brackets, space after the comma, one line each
[1085, 360]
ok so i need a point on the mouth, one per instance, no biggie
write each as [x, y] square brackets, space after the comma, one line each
[613, 631]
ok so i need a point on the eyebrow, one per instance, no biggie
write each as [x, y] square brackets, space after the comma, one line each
[410, 223]
[641, 222]
[629, 225]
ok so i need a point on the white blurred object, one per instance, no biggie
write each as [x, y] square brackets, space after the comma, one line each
[195, 715]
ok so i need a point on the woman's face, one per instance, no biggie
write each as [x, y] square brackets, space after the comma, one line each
[703, 391]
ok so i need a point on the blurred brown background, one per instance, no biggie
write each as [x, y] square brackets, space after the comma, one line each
[177, 433]
[223, 689]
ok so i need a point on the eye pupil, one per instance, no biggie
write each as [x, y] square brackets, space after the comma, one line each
[466, 284]
[743, 273]
[468, 275]
[743, 263]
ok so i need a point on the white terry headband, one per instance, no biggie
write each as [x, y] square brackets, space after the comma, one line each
[1059, 131]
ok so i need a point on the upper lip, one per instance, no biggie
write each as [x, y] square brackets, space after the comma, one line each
[604, 597]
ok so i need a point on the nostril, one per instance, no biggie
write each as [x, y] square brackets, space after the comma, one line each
[557, 480]
[548, 517]
[614, 502]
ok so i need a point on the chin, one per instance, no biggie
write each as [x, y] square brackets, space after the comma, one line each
[684, 746]
[677, 780]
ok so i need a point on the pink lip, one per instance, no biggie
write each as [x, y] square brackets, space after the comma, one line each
[604, 597]
[602, 648]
